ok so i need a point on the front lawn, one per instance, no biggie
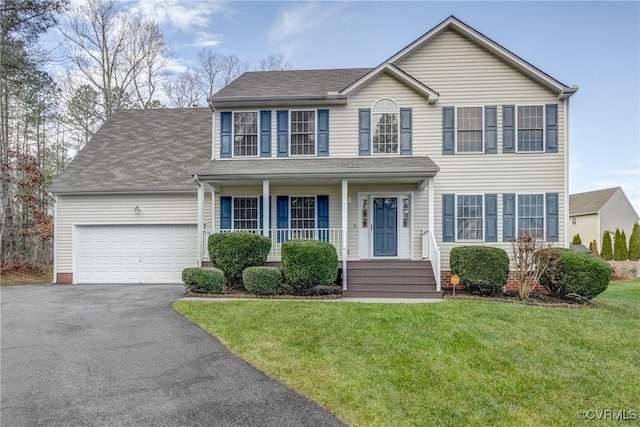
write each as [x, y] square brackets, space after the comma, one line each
[458, 362]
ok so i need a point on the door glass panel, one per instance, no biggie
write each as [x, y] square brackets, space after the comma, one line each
[405, 213]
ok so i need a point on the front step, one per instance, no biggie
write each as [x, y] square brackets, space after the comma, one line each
[391, 279]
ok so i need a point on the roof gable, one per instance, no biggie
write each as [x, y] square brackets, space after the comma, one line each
[590, 202]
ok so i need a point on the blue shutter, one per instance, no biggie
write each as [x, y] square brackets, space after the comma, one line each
[282, 206]
[405, 131]
[283, 132]
[448, 130]
[448, 218]
[508, 129]
[323, 218]
[551, 126]
[225, 134]
[364, 127]
[490, 131]
[508, 217]
[265, 133]
[260, 201]
[225, 213]
[323, 133]
[491, 217]
[552, 217]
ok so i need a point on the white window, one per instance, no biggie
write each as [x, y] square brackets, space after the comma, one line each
[245, 213]
[245, 134]
[469, 217]
[303, 133]
[384, 119]
[531, 215]
[531, 128]
[303, 212]
[469, 130]
[573, 220]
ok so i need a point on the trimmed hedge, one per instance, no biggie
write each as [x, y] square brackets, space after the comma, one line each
[262, 280]
[575, 272]
[309, 263]
[203, 280]
[233, 252]
[483, 270]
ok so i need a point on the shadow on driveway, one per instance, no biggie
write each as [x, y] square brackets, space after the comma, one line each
[119, 355]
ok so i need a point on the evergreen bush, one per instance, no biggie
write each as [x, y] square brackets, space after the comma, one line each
[262, 280]
[309, 263]
[576, 240]
[483, 270]
[576, 272]
[634, 242]
[233, 252]
[607, 251]
[203, 280]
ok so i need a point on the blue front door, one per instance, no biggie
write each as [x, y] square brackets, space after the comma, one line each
[385, 226]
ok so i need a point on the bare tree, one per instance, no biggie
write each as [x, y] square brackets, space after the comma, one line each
[217, 70]
[183, 91]
[275, 63]
[530, 261]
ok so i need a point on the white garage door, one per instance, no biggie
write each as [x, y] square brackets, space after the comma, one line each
[134, 253]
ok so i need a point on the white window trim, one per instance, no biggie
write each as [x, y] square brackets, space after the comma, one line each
[233, 134]
[544, 128]
[315, 150]
[455, 131]
[315, 211]
[372, 129]
[544, 212]
[233, 210]
[484, 213]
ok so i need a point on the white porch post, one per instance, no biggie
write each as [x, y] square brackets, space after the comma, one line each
[345, 230]
[266, 220]
[432, 202]
[200, 221]
[213, 210]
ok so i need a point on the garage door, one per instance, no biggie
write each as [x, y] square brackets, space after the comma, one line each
[134, 253]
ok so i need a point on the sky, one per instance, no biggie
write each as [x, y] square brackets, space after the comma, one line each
[595, 45]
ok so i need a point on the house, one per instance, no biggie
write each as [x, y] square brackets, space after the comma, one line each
[453, 140]
[594, 212]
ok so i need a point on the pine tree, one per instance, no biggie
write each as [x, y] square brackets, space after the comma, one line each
[634, 242]
[619, 247]
[593, 247]
[624, 250]
[576, 240]
[607, 252]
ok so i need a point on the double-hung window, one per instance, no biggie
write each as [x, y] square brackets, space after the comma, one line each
[531, 215]
[385, 119]
[303, 216]
[531, 128]
[303, 133]
[469, 130]
[469, 217]
[245, 213]
[245, 134]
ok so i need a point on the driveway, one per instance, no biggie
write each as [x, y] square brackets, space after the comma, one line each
[119, 355]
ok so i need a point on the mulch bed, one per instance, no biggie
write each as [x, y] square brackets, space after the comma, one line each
[540, 299]
[251, 296]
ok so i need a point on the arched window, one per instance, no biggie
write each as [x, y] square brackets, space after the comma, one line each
[384, 120]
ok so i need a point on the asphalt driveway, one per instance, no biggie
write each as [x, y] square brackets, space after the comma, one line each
[119, 355]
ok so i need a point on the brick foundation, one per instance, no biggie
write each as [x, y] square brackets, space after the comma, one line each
[512, 282]
[64, 278]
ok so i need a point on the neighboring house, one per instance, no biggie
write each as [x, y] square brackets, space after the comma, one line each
[454, 140]
[594, 212]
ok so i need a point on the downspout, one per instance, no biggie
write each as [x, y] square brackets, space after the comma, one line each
[55, 238]
[566, 173]
[200, 219]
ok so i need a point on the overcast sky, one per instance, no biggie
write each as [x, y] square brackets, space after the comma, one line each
[593, 44]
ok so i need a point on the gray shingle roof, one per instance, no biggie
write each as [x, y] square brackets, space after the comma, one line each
[290, 83]
[590, 201]
[141, 150]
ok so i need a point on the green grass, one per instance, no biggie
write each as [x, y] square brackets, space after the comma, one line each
[459, 362]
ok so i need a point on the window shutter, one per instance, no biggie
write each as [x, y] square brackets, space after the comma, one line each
[448, 218]
[491, 217]
[552, 217]
[551, 126]
[323, 218]
[508, 129]
[225, 213]
[448, 130]
[225, 134]
[283, 132]
[405, 131]
[282, 206]
[260, 216]
[490, 130]
[323, 133]
[508, 217]
[364, 126]
[265, 133]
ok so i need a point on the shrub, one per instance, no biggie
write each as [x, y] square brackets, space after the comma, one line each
[262, 280]
[634, 242]
[233, 252]
[325, 290]
[593, 247]
[620, 251]
[203, 280]
[483, 270]
[553, 254]
[576, 272]
[607, 250]
[576, 240]
[309, 263]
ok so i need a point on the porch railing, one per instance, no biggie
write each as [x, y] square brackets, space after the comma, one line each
[431, 252]
[280, 235]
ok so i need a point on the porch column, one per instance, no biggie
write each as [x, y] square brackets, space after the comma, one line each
[213, 210]
[266, 220]
[345, 230]
[200, 221]
[432, 202]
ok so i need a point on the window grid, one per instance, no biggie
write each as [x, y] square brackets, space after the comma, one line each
[530, 128]
[245, 213]
[469, 217]
[469, 130]
[303, 133]
[303, 212]
[385, 118]
[245, 134]
[531, 215]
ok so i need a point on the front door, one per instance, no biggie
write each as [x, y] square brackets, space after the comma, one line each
[385, 226]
